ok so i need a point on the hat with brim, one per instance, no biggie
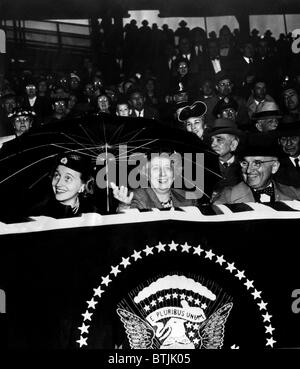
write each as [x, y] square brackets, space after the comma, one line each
[260, 144]
[19, 112]
[267, 115]
[224, 125]
[197, 109]
[267, 110]
[290, 129]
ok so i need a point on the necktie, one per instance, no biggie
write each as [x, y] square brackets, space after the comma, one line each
[267, 191]
[225, 165]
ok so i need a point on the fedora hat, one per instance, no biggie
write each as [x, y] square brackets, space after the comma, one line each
[267, 110]
[260, 144]
[197, 109]
[290, 126]
[224, 125]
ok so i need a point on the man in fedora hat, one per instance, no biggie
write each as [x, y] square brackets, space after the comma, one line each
[267, 117]
[259, 161]
[289, 141]
[224, 87]
[224, 138]
[193, 117]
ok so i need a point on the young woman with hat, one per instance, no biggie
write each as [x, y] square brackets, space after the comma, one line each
[72, 183]
[193, 117]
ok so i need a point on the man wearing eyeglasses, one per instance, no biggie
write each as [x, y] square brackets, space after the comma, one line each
[289, 141]
[259, 164]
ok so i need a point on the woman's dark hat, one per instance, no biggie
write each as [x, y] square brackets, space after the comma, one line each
[260, 144]
[197, 109]
[21, 112]
[77, 162]
[224, 125]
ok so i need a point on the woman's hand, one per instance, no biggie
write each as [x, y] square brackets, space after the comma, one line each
[121, 194]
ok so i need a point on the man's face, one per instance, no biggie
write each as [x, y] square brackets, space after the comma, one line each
[223, 144]
[122, 110]
[248, 50]
[229, 113]
[207, 88]
[290, 145]
[213, 50]
[22, 124]
[60, 107]
[266, 125]
[291, 99]
[180, 97]
[161, 174]
[74, 83]
[184, 46]
[103, 103]
[66, 184]
[259, 91]
[263, 48]
[89, 90]
[182, 68]
[225, 87]
[9, 105]
[31, 91]
[137, 100]
[258, 170]
[195, 125]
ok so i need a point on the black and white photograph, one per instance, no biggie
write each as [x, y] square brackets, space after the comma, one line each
[150, 178]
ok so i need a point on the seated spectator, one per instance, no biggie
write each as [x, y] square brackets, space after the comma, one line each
[8, 105]
[289, 141]
[224, 87]
[150, 92]
[259, 163]
[22, 120]
[226, 108]
[258, 97]
[267, 117]
[139, 108]
[291, 102]
[208, 96]
[41, 105]
[183, 76]
[193, 117]
[60, 110]
[224, 138]
[103, 104]
[72, 184]
[122, 108]
[160, 172]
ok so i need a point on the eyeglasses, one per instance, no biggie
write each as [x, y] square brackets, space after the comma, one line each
[285, 140]
[225, 84]
[256, 164]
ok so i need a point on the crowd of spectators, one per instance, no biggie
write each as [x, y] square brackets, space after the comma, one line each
[221, 87]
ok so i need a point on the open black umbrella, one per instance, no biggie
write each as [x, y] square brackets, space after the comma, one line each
[25, 163]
